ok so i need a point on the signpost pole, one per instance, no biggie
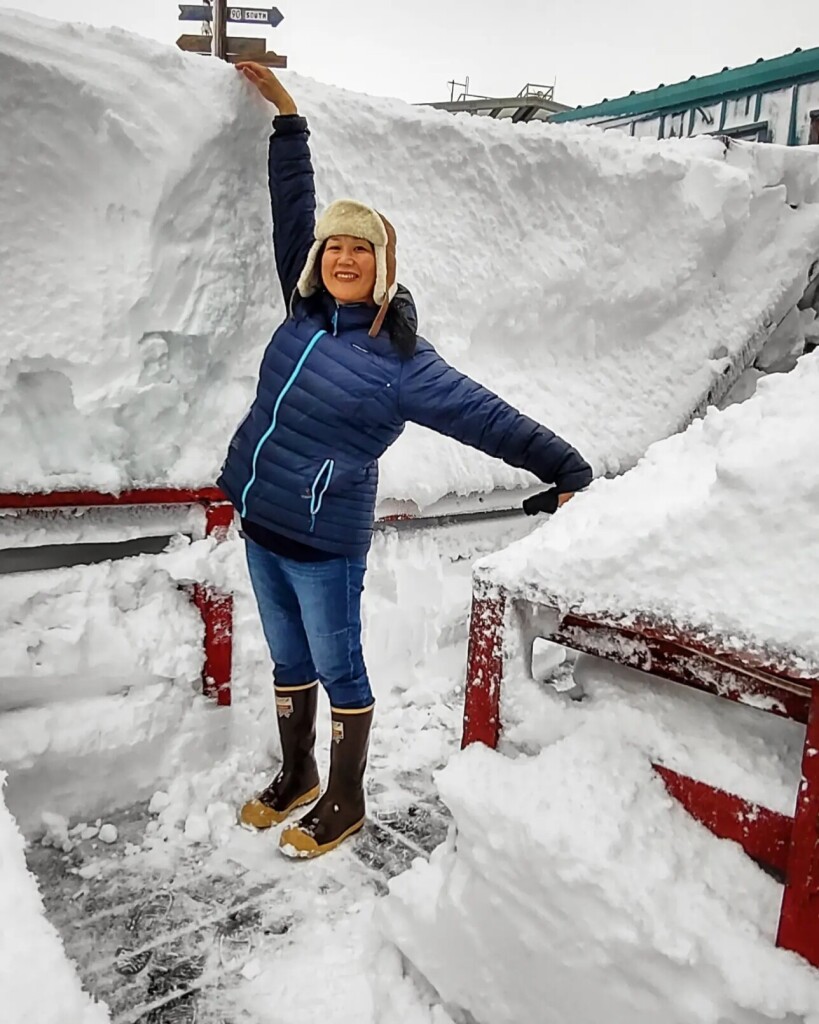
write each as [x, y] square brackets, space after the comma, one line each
[220, 29]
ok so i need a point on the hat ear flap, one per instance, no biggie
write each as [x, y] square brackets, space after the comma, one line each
[310, 278]
[385, 266]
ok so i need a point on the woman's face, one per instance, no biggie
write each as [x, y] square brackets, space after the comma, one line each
[348, 269]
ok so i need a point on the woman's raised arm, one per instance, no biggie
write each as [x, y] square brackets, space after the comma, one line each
[290, 178]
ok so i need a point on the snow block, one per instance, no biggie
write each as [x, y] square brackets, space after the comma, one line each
[575, 888]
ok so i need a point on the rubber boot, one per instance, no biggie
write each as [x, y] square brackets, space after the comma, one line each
[297, 783]
[340, 812]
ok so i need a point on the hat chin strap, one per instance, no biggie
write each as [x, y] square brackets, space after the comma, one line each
[380, 316]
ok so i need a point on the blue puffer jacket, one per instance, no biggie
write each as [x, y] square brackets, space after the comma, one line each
[331, 400]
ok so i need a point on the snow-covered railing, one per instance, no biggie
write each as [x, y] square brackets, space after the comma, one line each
[216, 608]
[503, 629]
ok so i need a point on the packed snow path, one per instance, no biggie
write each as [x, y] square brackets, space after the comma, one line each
[171, 943]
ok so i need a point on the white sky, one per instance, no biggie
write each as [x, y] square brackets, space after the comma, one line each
[594, 48]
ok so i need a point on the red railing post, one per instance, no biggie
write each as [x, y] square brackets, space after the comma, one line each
[799, 920]
[484, 673]
[216, 610]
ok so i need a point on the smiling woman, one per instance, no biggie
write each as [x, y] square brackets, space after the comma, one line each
[348, 269]
[338, 381]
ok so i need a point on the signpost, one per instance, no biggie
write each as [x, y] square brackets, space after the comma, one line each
[219, 29]
[225, 47]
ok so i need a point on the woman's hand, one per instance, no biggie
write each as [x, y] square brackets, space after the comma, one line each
[563, 498]
[268, 85]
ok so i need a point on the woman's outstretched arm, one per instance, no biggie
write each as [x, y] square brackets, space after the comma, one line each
[436, 395]
[290, 178]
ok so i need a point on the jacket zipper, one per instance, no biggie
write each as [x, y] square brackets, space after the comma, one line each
[290, 382]
[316, 496]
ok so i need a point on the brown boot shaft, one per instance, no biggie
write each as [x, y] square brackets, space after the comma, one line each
[340, 812]
[297, 783]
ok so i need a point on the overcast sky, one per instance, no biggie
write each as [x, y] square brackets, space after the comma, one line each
[410, 48]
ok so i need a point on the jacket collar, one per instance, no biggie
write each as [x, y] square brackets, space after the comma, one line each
[356, 316]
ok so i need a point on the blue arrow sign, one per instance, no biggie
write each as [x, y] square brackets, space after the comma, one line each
[246, 15]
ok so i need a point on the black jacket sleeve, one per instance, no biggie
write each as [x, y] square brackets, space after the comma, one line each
[436, 395]
[292, 197]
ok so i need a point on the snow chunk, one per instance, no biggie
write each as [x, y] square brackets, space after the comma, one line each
[574, 882]
[108, 833]
[159, 801]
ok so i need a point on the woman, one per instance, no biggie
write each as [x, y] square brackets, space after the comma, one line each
[338, 381]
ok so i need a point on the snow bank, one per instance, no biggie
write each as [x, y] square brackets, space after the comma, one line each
[101, 671]
[37, 982]
[713, 530]
[574, 888]
[602, 284]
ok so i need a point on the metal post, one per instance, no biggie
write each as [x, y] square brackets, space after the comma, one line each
[220, 29]
[484, 672]
[216, 610]
[799, 923]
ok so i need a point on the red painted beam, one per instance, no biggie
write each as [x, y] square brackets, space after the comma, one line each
[799, 921]
[141, 496]
[216, 610]
[484, 672]
[764, 834]
[693, 661]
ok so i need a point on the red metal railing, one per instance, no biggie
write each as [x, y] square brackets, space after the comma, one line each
[787, 846]
[215, 607]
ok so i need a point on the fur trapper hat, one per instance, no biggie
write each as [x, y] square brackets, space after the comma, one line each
[348, 217]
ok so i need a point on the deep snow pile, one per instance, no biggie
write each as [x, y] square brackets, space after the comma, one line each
[101, 668]
[600, 283]
[37, 982]
[576, 889]
[715, 529]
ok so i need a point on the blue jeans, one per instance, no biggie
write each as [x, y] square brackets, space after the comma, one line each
[311, 617]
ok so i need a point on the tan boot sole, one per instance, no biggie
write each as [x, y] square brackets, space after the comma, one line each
[298, 845]
[259, 816]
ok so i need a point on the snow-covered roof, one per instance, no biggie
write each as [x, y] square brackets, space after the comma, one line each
[714, 531]
[601, 284]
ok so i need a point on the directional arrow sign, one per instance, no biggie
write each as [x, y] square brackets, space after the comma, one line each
[249, 15]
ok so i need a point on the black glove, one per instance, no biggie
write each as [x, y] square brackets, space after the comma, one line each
[546, 502]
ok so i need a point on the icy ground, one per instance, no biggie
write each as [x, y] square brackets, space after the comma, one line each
[205, 934]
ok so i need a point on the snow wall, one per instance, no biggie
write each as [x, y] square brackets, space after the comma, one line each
[37, 982]
[713, 530]
[575, 888]
[600, 283]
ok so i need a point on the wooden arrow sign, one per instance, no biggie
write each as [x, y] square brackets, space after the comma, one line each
[238, 48]
[242, 46]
